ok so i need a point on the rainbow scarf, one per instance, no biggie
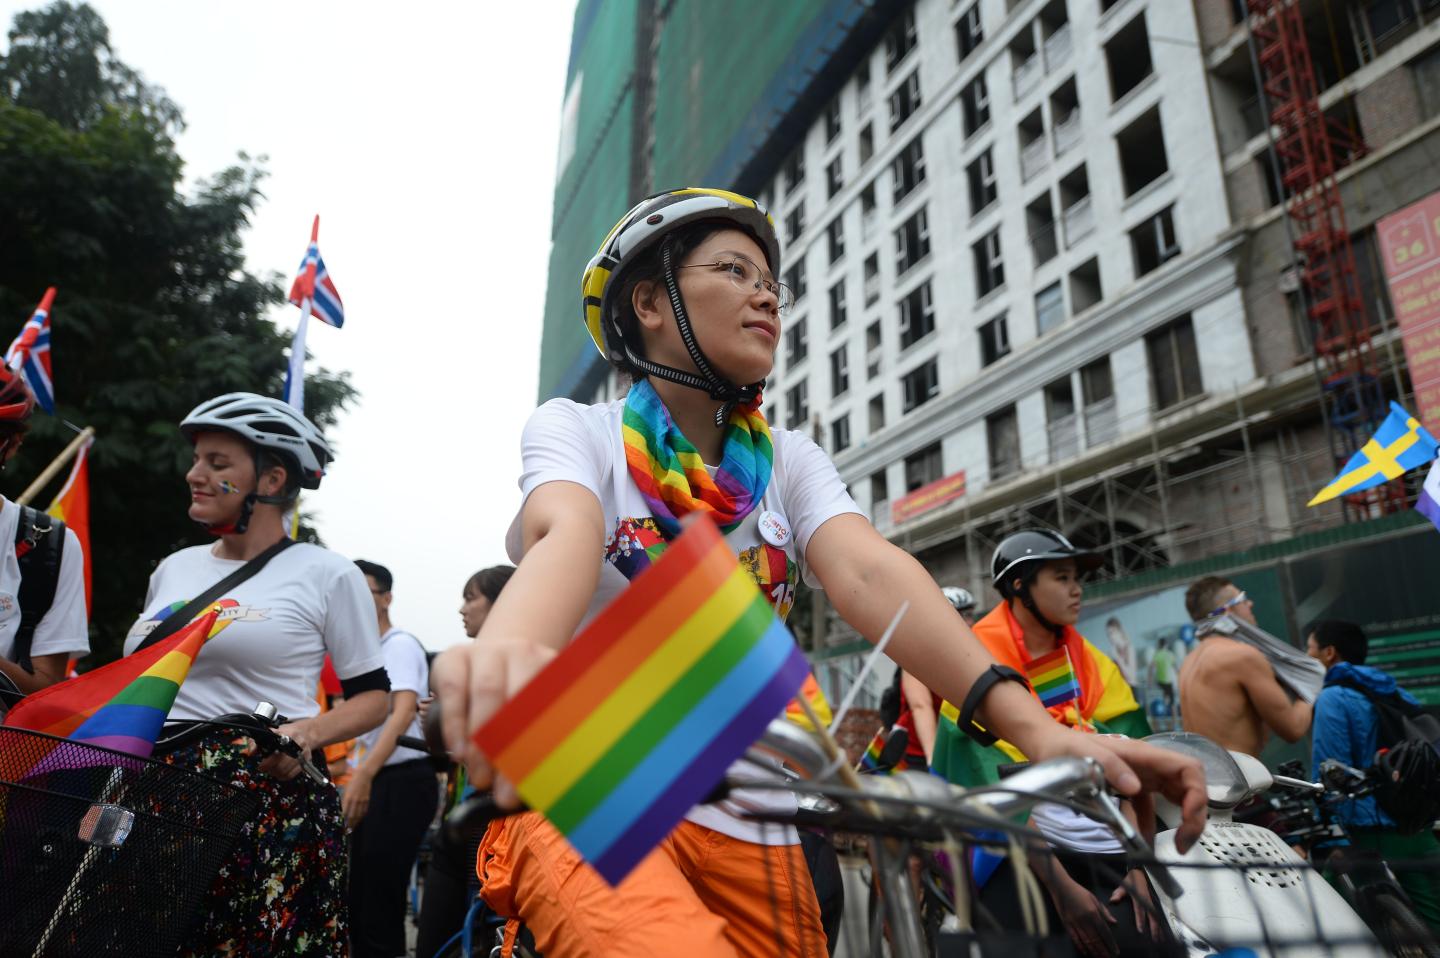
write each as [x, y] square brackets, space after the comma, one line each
[671, 475]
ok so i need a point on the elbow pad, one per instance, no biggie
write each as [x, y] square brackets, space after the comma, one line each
[374, 679]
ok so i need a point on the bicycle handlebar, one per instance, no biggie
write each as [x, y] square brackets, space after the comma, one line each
[260, 725]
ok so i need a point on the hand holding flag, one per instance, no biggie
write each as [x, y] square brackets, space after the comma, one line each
[29, 354]
[638, 719]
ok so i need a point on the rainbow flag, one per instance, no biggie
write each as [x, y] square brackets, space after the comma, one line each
[639, 718]
[122, 705]
[870, 758]
[1052, 676]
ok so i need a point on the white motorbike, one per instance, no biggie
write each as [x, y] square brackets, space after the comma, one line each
[1244, 889]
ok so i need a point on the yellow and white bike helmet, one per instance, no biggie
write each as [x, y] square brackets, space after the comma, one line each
[649, 223]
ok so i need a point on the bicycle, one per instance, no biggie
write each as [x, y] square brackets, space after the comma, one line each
[84, 827]
[1364, 878]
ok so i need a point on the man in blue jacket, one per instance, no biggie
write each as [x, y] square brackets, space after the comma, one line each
[1347, 729]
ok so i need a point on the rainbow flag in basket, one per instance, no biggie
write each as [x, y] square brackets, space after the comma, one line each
[119, 706]
[1052, 676]
[639, 718]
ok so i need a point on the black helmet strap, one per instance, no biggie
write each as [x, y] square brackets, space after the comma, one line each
[709, 381]
[1028, 601]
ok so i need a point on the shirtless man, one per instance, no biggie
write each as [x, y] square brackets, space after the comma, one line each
[1228, 690]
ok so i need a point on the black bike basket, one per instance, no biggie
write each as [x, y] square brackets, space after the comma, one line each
[104, 853]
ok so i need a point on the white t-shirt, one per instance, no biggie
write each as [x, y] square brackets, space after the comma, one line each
[278, 626]
[564, 441]
[64, 628]
[408, 670]
[1068, 829]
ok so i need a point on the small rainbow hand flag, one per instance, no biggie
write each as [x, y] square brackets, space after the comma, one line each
[870, 759]
[1053, 678]
[639, 718]
[122, 705]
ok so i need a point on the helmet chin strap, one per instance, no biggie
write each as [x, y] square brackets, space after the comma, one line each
[709, 381]
[247, 508]
[1027, 600]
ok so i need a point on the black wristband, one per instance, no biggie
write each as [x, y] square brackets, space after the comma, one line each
[978, 691]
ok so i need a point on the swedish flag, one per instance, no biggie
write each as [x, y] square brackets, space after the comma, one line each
[1399, 445]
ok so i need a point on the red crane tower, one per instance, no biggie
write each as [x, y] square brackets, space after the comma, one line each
[1306, 143]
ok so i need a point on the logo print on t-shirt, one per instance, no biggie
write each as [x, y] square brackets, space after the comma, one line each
[634, 544]
[230, 611]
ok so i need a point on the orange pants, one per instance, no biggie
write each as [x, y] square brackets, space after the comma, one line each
[701, 892]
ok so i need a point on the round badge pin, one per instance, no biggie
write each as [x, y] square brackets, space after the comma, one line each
[774, 529]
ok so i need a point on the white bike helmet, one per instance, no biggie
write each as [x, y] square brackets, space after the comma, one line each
[960, 598]
[269, 424]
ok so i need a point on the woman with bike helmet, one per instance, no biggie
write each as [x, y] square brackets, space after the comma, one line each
[34, 650]
[682, 297]
[282, 891]
[1037, 573]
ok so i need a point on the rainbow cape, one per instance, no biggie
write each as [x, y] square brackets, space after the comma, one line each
[1052, 676]
[641, 715]
[119, 706]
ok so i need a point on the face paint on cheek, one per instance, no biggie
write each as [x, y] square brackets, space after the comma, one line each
[228, 486]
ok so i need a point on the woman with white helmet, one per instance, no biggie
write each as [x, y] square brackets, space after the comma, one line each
[683, 298]
[282, 891]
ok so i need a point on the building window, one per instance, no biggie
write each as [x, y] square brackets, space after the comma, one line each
[1153, 242]
[795, 222]
[837, 305]
[1002, 432]
[989, 264]
[840, 371]
[923, 467]
[867, 143]
[908, 169]
[862, 83]
[795, 169]
[981, 175]
[1174, 367]
[879, 491]
[835, 238]
[797, 403]
[994, 341]
[1096, 384]
[834, 177]
[832, 120]
[1049, 308]
[795, 279]
[917, 316]
[877, 412]
[872, 278]
[1128, 57]
[873, 339]
[919, 385]
[975, 106]
[840, 434]
[900, 40]
[1142, 152]
[912, 242]
[904, 101]
[969, 32]
[797, 343]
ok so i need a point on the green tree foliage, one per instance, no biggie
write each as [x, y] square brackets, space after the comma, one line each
[155, 310]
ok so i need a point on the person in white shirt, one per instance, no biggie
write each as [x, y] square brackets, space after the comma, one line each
[391, 797]
[33, 654]
[282, 891]
[682, 296]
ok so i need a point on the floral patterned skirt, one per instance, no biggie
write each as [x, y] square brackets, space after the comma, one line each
[281, 891]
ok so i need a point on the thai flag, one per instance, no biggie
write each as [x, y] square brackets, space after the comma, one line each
[29, 354]
[313, 283]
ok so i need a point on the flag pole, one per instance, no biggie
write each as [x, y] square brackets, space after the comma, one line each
[52, 470]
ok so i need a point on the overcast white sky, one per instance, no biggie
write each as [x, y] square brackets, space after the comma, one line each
[424, 134]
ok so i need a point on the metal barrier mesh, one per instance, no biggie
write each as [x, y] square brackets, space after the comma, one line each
[102, 852]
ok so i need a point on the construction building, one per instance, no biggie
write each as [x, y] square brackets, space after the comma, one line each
[1043, 270]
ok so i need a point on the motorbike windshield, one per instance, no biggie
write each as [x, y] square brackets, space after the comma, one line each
[1225, 785]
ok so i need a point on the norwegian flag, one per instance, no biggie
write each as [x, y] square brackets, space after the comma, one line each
[29, 354]
[313, 284]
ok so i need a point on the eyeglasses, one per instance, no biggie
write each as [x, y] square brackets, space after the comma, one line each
[749, 278]
[1242, 597]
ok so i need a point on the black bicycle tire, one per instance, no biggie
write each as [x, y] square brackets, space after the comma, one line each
[1414, 938]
